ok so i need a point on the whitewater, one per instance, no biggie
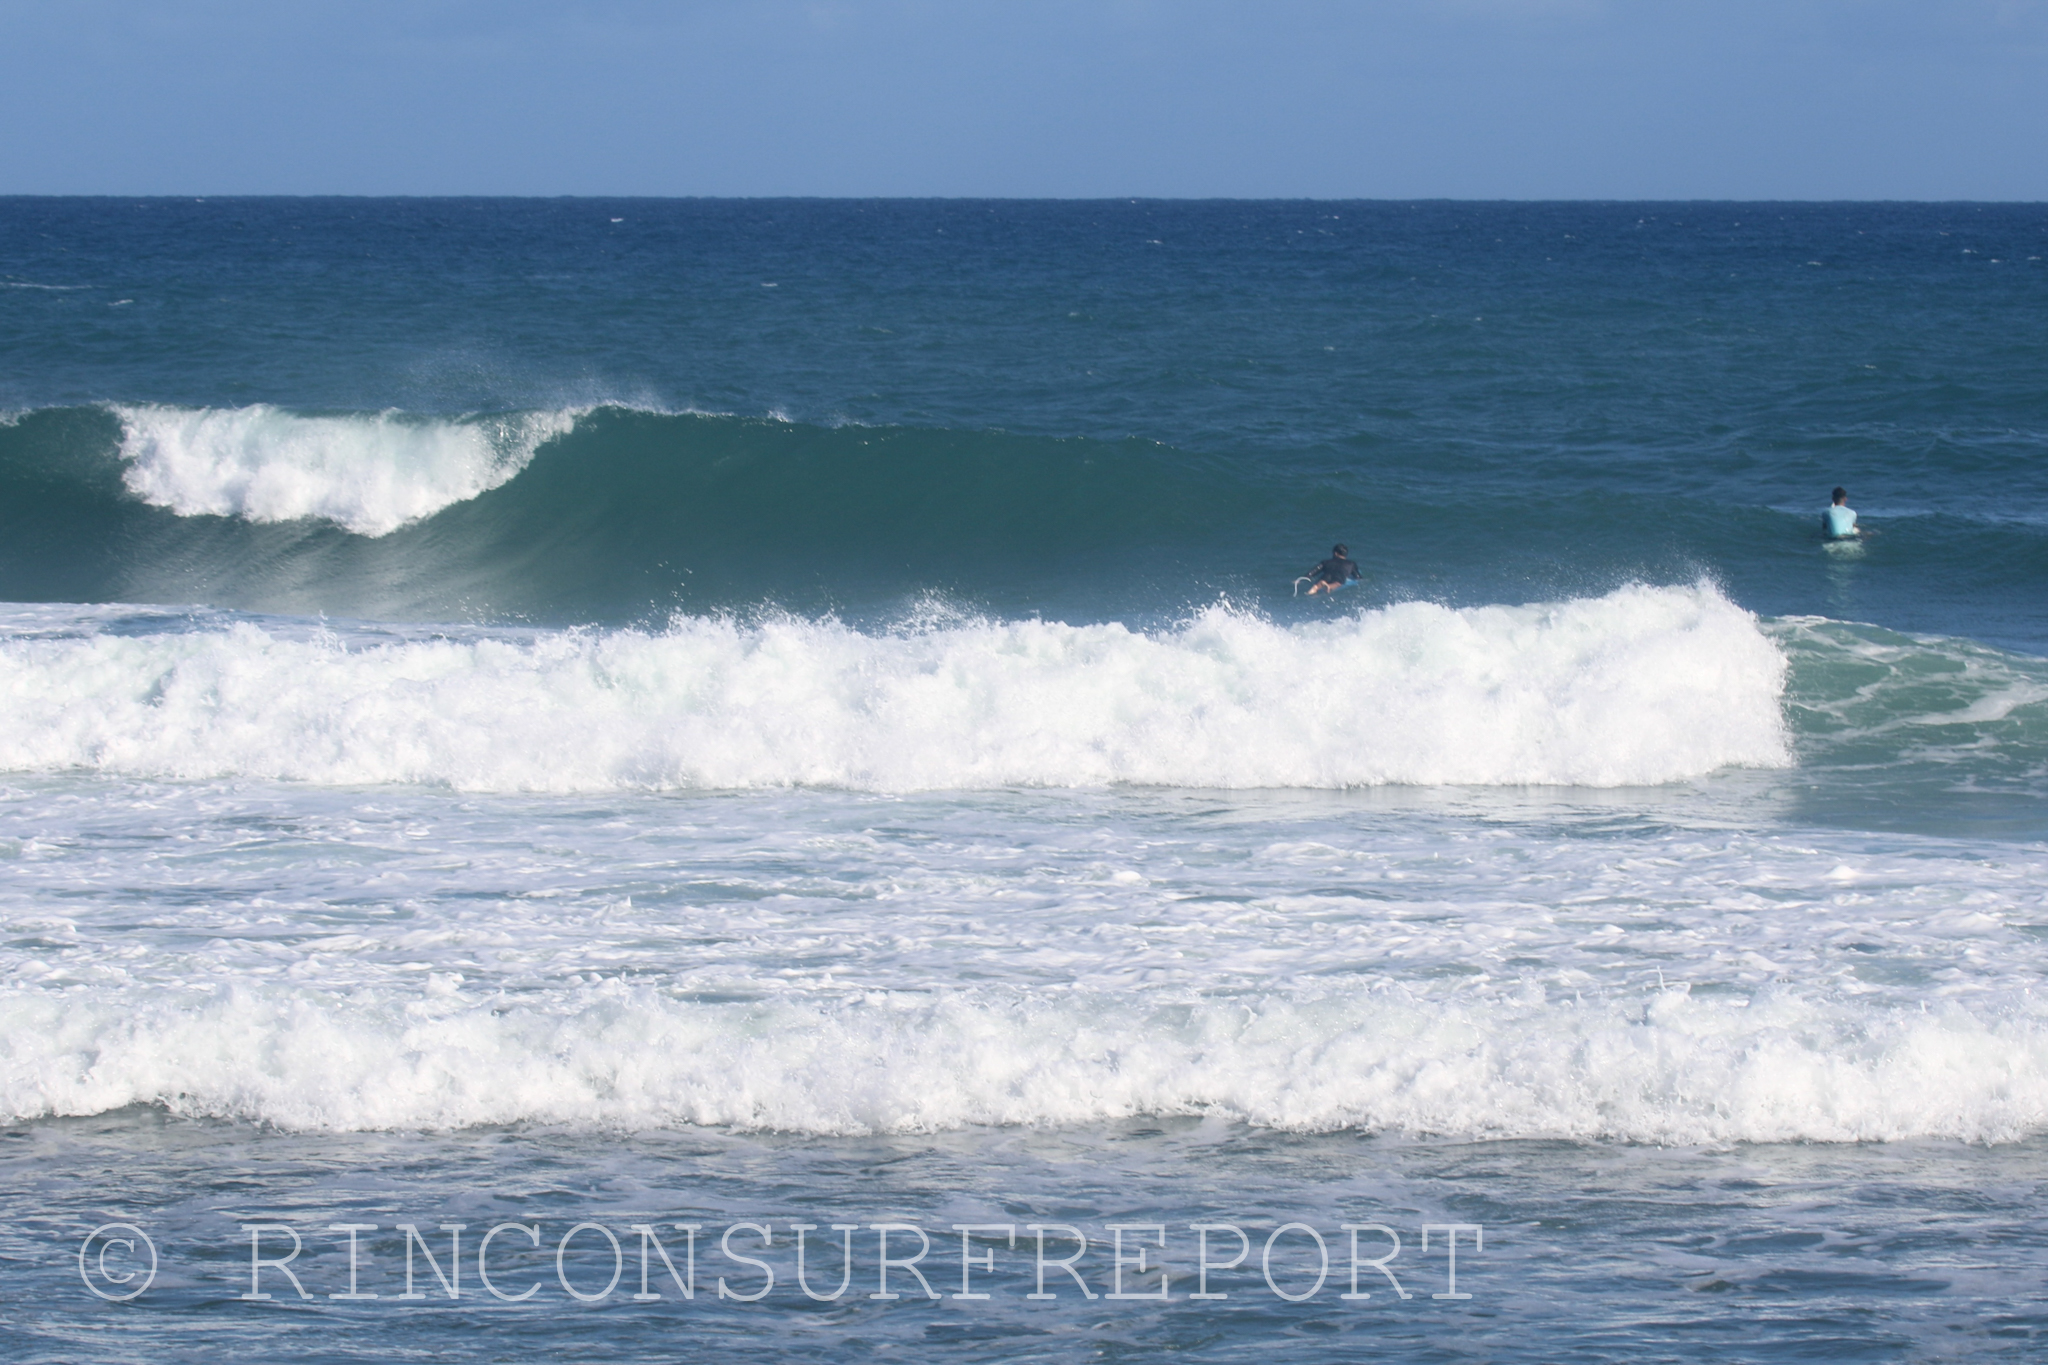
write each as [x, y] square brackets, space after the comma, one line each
[1704, 1039]
[1641, 687]
[793, 877]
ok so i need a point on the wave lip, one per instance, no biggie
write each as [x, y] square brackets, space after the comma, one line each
[369, 474]
[1640, 687]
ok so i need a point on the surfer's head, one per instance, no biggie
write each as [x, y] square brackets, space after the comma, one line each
[1339, 551]
[1841, 495]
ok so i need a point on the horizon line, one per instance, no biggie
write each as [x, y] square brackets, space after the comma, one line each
[186, 196]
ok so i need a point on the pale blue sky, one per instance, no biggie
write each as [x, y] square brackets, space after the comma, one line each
[1799, 99]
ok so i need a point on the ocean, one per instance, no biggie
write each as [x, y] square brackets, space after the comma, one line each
[679, 779]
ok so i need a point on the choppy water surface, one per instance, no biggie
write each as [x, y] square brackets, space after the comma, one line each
[660, 714]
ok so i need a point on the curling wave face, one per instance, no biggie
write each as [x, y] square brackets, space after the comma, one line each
[1641, 686]
[610, 514]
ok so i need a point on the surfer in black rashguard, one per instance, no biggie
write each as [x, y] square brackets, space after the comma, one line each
[1333, 573]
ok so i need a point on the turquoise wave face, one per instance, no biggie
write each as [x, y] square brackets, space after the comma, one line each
[617, 515]
[1929, 734]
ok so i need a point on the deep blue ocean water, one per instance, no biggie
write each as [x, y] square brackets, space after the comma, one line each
[579, 716]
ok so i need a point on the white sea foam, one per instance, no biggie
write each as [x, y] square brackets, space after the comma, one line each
[369, 473]
[833, 962]
[1778, 1068]
[1643, 686]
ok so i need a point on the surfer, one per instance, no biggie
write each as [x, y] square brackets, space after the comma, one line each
[1838, 522]
[1333, 573]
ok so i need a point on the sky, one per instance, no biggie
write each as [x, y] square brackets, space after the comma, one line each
[1373, 99]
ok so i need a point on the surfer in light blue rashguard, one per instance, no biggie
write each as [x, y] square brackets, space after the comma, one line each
[1838, 522]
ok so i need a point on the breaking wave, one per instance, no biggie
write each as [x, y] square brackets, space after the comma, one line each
[367, 474]
[1641, 686]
